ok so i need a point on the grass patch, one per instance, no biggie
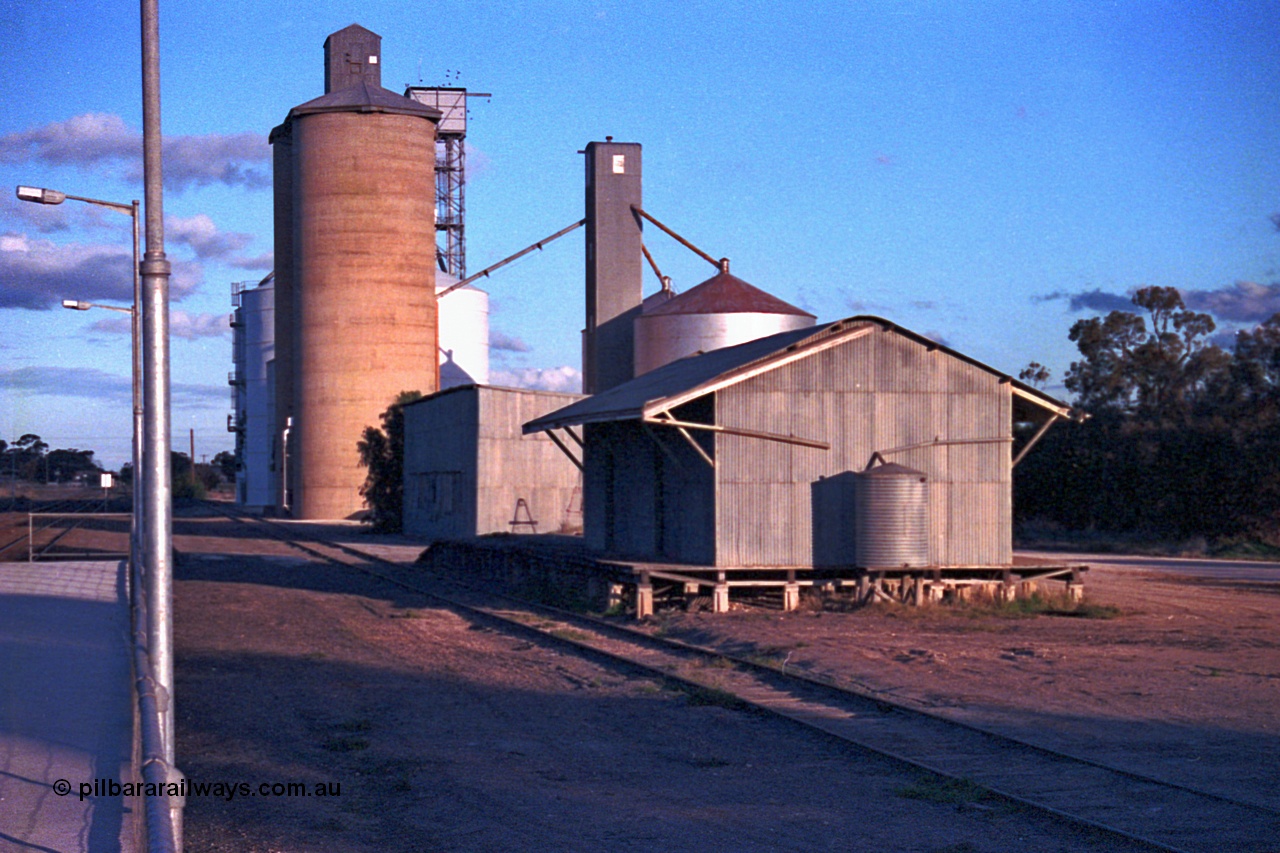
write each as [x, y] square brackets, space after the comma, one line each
[713, 696]
[939, 789]
[1036, 604]
[572, 634]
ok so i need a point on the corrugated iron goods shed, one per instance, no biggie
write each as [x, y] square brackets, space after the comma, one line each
[746, 456]
[467, 465]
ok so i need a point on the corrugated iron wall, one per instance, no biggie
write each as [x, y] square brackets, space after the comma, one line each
[645, 501]
[441, 465]
[514, 466]
[874, 394]
[467, 464]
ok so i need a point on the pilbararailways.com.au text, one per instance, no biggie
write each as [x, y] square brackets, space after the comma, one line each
[190, 788]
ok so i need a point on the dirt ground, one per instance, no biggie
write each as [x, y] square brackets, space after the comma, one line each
[1183, 685]
[433, 733]
[440, 734]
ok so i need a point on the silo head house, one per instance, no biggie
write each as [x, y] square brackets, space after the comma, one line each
[356, 319]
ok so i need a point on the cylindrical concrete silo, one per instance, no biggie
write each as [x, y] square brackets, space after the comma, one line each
[281, 140]
[363, 314]
[464, 334]
[722, 311]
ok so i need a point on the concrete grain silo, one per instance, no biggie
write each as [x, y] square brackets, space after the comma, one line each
[464, 334]
[356, 309]
[722, 311]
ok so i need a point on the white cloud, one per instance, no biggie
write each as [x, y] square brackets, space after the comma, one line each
[204, 238]
[103, 142]
[1244, 301]
[508, 343]
[38, 274]
[181, 325]
[564, 378]
[99, 385]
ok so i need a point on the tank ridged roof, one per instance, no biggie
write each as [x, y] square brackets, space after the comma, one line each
[363, 98]
[725, 294]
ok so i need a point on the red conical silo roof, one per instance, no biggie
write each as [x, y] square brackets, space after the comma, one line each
[725, 294]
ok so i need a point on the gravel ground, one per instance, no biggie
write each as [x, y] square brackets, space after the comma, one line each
[429, 732]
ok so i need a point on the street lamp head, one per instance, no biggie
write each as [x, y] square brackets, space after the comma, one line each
[76, 305]
[41, 196]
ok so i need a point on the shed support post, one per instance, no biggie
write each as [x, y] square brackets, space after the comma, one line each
[617, 596]
[790, 597]
[720, 598]
[644, 598]
[1075, 591]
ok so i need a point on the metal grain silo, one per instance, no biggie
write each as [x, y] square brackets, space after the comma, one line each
[464, 334]
[722, 311]
[891, 518]
[362, 316]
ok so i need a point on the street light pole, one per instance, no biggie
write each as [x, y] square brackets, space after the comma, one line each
[40, 195]
[135, 525]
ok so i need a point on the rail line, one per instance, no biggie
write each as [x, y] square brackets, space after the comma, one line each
[1139, 812]
[17, 547]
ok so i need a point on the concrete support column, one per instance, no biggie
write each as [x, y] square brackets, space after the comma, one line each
[720, 598]
[1075, 591]
[791, 597]
[617, 596]
[644, 600]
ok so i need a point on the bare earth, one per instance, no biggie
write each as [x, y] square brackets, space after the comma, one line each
[444, 735]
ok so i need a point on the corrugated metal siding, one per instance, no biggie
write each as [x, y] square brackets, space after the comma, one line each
[440, 465]
[644, 502]
[514, 466]
[467, 463]
[876, 393]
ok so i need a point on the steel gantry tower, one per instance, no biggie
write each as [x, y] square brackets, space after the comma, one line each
[451, 171]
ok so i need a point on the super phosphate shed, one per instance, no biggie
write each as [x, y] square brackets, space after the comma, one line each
[775, 431]
[467, 464]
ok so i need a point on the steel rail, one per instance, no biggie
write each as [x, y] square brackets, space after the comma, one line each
[818, 719]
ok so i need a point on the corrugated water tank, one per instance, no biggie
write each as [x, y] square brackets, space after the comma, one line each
[891, 518]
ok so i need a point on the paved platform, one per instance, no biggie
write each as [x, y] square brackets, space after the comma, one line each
[65, 705]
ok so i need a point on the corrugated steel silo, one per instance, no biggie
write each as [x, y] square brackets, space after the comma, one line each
[722, 311]
[363, 314]
[464, 334]
[891, 518]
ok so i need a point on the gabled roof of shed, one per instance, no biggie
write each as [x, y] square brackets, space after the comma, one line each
[697, 375]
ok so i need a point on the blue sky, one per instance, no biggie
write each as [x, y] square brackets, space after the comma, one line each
[982, 172]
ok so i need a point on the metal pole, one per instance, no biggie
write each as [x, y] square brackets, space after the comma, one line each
[135, 526]
[156, 446]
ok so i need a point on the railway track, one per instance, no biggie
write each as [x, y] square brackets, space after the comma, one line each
[1123, 809]
[15, 532]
